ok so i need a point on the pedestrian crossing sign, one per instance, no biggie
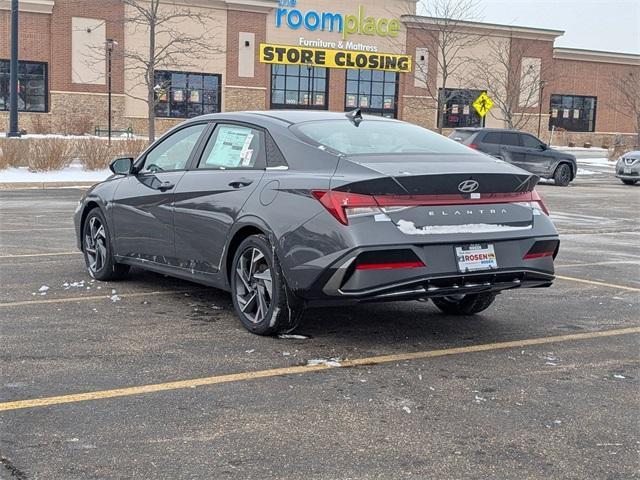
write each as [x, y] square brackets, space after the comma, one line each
[483, 104]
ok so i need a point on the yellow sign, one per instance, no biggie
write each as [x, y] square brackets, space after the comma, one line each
[320, 57]
[483, 104]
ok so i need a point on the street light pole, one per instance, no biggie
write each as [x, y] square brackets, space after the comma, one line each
[13, 76]
[110, 44]
[540, 107]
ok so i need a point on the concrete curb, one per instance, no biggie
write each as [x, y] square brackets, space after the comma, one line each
[44, 185]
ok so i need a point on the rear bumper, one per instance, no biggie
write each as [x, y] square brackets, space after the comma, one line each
[442, 285]
[341, 283]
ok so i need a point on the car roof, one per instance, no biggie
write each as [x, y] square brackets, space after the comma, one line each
[489, 129]
[290, 117]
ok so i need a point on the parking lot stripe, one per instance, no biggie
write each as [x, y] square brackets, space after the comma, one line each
[596, 264]
[53, 254]
[302, 369]
[95, 297]
[37, 229]
[600, 284]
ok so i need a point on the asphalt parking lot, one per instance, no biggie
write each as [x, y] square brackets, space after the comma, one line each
[155, 378]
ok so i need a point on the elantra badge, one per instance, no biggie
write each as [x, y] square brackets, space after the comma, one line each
[468, 186]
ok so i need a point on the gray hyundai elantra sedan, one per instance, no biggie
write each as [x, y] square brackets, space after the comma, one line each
[290, 210]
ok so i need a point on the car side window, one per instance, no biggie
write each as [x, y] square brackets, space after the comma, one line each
[492, 137]
[233, 146]
[509, 138]
[174, 151]
[530, 141]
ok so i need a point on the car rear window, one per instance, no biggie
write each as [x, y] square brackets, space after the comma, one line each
[461, 135]
[376, 137]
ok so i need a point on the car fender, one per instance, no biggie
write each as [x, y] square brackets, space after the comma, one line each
[244, 221]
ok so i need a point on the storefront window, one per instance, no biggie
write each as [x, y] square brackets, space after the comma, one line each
[574, 113]
[299, 86]
[458, 108]
[32, 86]
[186, 95]
[373, 91]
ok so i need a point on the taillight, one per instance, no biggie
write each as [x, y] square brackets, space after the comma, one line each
[342, 205]
[537, 199]
[473, 145]
[542, 248]
[345, 205]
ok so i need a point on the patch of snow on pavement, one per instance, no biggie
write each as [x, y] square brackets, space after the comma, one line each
[584, 171]
[596, 162]
[331, 362]
[286, 336]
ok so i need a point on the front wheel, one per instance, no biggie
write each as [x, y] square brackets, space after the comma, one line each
[628, 182]
[562, 175]
[260, 295]
[465, 304]
[96, 247]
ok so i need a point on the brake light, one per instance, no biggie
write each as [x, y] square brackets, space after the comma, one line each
[537, 199]
[541, 249]
[473, 145]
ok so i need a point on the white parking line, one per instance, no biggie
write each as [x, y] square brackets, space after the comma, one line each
[52, 254]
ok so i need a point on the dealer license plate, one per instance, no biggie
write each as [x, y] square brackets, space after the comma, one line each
[476, 257]
[627, 170]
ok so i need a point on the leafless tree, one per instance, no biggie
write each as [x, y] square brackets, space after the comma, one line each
[447, 35]
[173, 44]
[514, 84]
[627, 86]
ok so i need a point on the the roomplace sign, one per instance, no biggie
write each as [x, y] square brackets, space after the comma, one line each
[313, 20]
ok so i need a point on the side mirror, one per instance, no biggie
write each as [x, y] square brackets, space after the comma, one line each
[122, 166]
[543, 146]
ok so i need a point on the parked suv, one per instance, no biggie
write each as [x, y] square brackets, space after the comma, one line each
[521, 149]
[628, 168]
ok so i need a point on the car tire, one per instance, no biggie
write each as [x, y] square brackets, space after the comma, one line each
[629, 182]
[562, 175]
[97, 249]
[260, 295]
[467, 305]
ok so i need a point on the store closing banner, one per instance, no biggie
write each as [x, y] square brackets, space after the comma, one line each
[316, 57]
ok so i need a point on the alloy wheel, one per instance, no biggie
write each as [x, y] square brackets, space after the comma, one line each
[254, 286]
[95, 245]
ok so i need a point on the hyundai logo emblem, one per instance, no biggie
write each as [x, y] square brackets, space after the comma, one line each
[468, 186]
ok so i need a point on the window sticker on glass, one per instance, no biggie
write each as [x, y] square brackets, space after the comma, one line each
[231, 149]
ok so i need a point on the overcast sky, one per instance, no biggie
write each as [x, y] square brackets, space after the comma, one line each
[612, 25]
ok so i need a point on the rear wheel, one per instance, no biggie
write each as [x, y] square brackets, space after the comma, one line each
[628, 182]
[260, 295]
[465, 304]
[562, 175]
[96, 246]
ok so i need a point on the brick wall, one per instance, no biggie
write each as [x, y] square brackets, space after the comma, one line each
[34, 36]
[572, 77]
[112, 12]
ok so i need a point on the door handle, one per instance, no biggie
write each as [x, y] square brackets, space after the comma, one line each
[243, 182]
[164, 186]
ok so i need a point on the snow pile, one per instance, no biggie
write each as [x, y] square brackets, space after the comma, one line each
[72, 173]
